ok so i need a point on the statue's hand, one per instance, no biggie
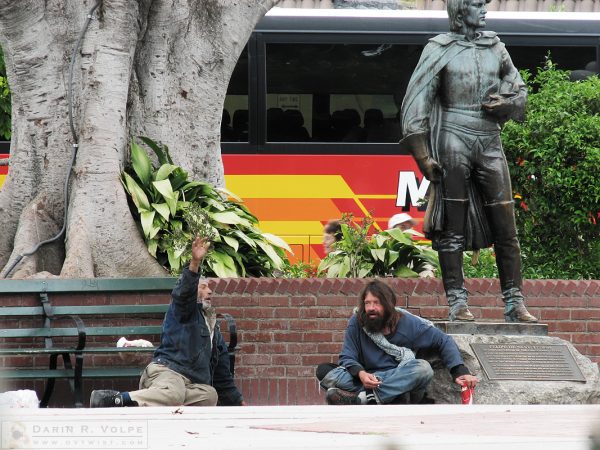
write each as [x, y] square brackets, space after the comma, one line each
[430, 168]
[499, 105]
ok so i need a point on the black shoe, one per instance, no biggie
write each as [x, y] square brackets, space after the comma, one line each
[370, 397]
[337, 396]
[105, 398]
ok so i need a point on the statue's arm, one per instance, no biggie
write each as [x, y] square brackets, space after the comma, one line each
[510, 101]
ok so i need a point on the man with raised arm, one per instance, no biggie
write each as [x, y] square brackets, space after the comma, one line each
[377, 364]
[191, 365]
[463, 89]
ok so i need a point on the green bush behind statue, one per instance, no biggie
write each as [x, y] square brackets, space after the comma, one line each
[554, 159]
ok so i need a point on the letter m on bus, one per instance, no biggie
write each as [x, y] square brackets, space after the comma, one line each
[409, 190]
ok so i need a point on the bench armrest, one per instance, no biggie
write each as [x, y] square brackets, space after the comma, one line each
[232, 346]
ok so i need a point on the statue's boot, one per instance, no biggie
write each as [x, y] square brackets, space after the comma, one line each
[450, 253]
[451, 264]
[508, 259]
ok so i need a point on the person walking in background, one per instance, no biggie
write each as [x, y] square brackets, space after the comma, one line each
[405, 222]
[332, 233]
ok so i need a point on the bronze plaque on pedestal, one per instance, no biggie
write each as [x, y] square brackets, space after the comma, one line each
[528, 362]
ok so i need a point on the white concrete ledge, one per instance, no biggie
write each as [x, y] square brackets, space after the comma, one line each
[445, 427]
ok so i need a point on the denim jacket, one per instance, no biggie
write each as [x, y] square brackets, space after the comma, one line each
[185, 345]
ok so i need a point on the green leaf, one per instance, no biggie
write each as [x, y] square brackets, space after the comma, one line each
[380, 239]
[393, 256]
[141, 164]
[174, 261]
[165, 188]
[245, 238]
[162, 155]
[271, 253]
[137, 194]
[365, 270]
[378, 254]
[152, 246]
[164, 171]
[344, 268]
[229, 217]
[147, 218]
[233, 243]
[222, 264]
[162, 209]
[277, 241]
[399, 235]
[405, 272]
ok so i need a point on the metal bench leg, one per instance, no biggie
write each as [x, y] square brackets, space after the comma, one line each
[75, 383]
[78, 381]
[49, 384]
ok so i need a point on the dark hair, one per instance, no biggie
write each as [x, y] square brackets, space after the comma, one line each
[387, 299]
[334, 227]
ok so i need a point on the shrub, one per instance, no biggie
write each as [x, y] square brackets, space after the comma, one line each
[389, 253]
[554, 159]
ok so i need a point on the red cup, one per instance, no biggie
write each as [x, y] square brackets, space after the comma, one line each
[466, 394]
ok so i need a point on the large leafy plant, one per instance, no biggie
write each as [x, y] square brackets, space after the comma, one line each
[172, 209]
[388, 253]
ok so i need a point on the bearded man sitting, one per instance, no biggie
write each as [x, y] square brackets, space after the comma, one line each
[377, 364]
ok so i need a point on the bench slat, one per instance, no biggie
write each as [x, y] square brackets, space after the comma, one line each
[109, 309]
[123, 331]
[11, 311]
[35, 351]
[112, 372]
[37, 332]
[36, 374]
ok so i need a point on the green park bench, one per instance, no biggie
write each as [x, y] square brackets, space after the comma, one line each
[74, 334]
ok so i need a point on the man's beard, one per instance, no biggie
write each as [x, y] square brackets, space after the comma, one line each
[374, 324]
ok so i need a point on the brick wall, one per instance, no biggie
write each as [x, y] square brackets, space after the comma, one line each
[287, 326]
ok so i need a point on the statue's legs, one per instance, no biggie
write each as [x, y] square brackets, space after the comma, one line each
[508, 259]
[493, 179]
[455, 159]
[450, 253]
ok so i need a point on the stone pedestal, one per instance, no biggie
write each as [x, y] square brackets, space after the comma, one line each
[511, 392]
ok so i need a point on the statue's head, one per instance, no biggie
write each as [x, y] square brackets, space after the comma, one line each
[459, 10]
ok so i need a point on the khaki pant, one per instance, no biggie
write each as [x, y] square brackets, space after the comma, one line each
[161, 386]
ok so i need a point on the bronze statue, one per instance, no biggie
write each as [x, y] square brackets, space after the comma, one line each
[463, 89]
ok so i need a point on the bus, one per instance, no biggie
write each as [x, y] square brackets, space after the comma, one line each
[311, 119]
[311, 124]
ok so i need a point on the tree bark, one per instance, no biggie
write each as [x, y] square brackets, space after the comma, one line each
[146, 68]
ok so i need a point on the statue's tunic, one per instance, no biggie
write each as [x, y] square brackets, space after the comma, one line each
[444, 100]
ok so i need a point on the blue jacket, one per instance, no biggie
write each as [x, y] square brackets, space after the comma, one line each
[359, 352]
[185, 343]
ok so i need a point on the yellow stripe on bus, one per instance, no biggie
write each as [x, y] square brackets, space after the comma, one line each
[2, 178]
[282, 229]
[288, 186]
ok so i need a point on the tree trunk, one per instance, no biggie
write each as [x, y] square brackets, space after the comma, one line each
[146, 68]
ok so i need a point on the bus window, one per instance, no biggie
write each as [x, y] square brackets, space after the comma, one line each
[566, 58]
[234, 125]
[336, 92]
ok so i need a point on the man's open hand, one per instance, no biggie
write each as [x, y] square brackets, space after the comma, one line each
[199, 250]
